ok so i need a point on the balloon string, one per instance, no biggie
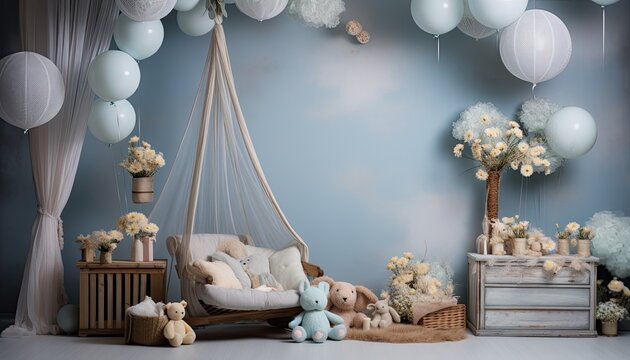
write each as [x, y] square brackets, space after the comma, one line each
[124, 185]
[603, 35]
[534, 92]
[438, 47]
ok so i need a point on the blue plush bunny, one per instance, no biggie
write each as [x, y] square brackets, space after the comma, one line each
[315, 320]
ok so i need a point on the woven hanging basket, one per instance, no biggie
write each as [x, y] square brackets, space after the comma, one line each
[453, 317]
[143, 330]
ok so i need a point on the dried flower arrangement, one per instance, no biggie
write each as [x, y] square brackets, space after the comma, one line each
[142, 161]
[137, 225]
[613, 300]
[105, 241]
[416, 281]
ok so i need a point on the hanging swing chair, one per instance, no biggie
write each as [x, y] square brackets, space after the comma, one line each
[215, 191]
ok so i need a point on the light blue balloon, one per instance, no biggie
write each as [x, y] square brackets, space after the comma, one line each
[114, 75]
[186, 5]
[571, 132]
[111, 122]
[195, 22]
[68, 319]
[437, 17]
[139, 39]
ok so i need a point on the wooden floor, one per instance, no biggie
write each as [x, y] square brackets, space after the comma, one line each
[253, 342]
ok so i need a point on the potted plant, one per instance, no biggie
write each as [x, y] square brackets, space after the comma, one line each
[143, 232]
[565, 238]
[142, 163]
[584, 236]
[613, 306]
[518, 236]
[106, 242]
[87, 247]
[496, 143]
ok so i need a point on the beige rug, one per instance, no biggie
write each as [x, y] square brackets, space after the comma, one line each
[406, 333]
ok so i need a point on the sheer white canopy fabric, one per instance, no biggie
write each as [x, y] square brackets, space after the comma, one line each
[70, 33]
[216, 183]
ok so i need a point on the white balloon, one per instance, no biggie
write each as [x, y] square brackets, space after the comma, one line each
[471, 27]
[146, 10]
[111, 122]
[497, 14]
[114, 75]
[31, 89]
[437, 17]
[185, 5]
[605, 2]
[195, 22]
[139, 39]
[571, 132]
[537, 47]
[261, 9]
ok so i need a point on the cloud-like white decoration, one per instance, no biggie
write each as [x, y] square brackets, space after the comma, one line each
[318, 13]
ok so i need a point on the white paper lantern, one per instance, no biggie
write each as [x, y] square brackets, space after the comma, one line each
[437, 17]
[111, 122]
[261, 9]
[146, 10]
[140, 39]
[195, 22]
[497, 14]
[31, 89]
[537, 47]
[473, 28]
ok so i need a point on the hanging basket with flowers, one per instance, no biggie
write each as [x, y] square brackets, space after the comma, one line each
[142, 163]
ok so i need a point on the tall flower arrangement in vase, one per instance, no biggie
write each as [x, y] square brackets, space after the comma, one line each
[496, 143]
[142, 163]
[137, 225]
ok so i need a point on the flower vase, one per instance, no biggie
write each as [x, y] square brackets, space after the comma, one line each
[87, 254]
[136, 249]
[563, 247]
[609, 328]
[492, 196]
[498, 249]
[584, 248]
[147, 248]
[106, 257]
[519, 247]
[142, 190]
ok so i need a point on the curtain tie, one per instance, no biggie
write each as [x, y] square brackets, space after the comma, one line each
[43, 212]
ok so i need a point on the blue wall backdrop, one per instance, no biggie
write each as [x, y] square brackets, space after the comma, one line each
[355, 140]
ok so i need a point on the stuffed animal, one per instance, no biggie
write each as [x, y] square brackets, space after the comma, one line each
[500, 233]
[383, 315]
[348, 301]
[314, 322]
[257, 268]
[176, 331]
[233, 247]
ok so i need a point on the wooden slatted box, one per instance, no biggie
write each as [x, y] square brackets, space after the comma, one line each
[107, 290]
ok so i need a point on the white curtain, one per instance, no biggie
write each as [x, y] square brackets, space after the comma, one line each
[70, 33]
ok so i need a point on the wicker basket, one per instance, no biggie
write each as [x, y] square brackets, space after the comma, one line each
[453, 317]
[144, 330]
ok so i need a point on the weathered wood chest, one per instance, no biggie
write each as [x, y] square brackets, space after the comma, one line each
[509, 296]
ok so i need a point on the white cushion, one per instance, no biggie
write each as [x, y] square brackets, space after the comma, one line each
[286, 267]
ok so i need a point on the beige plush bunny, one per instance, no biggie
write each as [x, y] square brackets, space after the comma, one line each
[348, 301]
[383, 315]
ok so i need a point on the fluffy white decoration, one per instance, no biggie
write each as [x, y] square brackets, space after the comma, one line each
[318, 13]
[535, 113]
[147, 308]
[612, 241]
[470, 119]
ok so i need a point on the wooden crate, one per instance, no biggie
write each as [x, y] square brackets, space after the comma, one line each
[107, 290]
[509, 296]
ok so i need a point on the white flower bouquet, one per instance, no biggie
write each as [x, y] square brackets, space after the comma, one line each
[142, 161]
[105, 241]
[416, 281]
[610, 311]
[137, 225]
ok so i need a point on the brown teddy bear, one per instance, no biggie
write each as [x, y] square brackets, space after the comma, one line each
[176, 331]
[348, 301]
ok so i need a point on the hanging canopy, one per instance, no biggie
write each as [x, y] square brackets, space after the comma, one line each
[216, 184]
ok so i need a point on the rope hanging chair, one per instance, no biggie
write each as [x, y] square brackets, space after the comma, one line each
[217, 186]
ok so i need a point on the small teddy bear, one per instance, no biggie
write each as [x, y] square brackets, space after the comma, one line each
[314, 322]
[383, 315]
[176, 331]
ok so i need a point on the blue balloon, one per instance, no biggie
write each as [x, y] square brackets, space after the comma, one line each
[68, 319]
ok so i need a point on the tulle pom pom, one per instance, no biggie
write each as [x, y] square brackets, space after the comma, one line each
[612, 242]
[318, 13]
[535, 113]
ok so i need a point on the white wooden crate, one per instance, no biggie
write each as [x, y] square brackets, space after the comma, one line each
[509, 296]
